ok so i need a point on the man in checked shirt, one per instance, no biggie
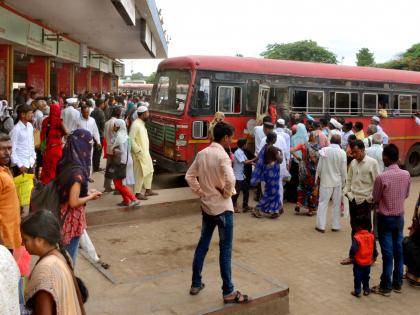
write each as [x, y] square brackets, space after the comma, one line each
[390, 190]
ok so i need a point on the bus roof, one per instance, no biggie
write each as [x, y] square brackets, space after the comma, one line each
[290, 68]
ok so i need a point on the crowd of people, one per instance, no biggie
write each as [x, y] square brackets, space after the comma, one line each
[308, 162]
[60, 142]
[296, 159]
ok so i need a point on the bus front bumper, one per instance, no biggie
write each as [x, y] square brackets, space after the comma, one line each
[168, 164]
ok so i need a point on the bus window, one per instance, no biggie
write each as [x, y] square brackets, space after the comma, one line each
[370, 103]
[414, 103]
[252, 93]
[342, 102]
[404, 104]
[229, 99]
[162, 90]
[315, 102]
[299, 100]
[203, 94]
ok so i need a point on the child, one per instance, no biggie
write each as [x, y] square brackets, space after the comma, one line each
[363, 252]
[239, 162]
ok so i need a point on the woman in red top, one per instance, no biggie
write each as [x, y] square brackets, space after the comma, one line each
[73, 188]
[51, 134]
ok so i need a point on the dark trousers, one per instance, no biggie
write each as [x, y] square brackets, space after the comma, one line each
[16, 171]
[224, 223]
[362, 211]
[96, 158]
[361, 277]
[290, 193]
[108, 181]
[38, 164]
[390, 233]
[241, 185]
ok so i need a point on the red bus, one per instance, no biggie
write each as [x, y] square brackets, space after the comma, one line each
[189, 90]
[136, 87]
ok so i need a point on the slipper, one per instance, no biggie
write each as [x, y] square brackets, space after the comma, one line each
[195, 291]
[355, 294]
[257, 214]
[346, 261]
[238, 299]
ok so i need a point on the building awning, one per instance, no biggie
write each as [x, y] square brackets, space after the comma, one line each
[99, 24]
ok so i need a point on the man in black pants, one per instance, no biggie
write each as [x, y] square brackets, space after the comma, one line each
[99, 116]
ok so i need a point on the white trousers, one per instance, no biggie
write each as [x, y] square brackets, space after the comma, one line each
[325, 194]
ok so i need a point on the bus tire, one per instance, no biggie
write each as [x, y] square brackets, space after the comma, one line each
[412, 161]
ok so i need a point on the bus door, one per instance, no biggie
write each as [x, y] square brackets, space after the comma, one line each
[263, 99]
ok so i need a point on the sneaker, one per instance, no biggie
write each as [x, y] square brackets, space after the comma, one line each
[378, 290]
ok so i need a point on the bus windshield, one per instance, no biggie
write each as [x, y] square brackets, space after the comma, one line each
[170, 92]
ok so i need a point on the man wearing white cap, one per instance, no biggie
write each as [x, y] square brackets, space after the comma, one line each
[335, 128]
[143, 164]
[70, 114]
[282, 132]
[376, 121]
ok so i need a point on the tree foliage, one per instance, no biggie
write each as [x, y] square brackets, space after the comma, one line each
[409, 60]
[365, 58]
[151, 78]
[305, 50]
[137, 76]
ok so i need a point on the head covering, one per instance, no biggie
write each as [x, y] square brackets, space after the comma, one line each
[72, 100]
[301, 135]
[376, 118]
[281, 121]
[335, 123]
[76, 153]
[54, 119]
[121, 135]
[142, 109]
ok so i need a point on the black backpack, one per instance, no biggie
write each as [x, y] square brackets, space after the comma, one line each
[47, 197]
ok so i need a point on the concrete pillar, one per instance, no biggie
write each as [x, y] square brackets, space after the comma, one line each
[6, 71]
[38, 75]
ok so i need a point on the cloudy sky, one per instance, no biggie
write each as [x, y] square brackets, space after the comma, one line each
[228, 27]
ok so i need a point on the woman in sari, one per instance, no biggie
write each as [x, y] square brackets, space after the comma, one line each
[52, 287]
[267, 170]
[52, 132]
[411, 248]
[73, 187]
[299, 136]
[122, 160]
[307, 192]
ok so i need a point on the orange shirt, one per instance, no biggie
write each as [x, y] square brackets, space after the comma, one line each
[9, 211]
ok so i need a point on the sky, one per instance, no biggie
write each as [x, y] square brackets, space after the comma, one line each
[229, 27]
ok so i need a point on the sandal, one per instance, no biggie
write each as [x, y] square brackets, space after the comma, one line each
[195, 291]
[238, 299]
[257, 214]
[274, 216]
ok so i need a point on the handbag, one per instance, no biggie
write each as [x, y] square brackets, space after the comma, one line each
[115, 169]
[24, 184]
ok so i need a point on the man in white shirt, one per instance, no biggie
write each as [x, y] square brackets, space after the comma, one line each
[259, 134]
[88, 123]
[70, 114]
[332, 170]
[23, 148]
[376, 121]
[280, 130]
[372, 129]
[375, 151]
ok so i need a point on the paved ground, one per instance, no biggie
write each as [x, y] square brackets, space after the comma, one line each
[151, 261]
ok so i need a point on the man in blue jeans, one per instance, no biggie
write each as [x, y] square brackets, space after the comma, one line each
[390, 190]
[211, 177]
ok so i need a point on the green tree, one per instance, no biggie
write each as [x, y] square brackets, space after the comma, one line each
[137, 76]
[409, 60]
[365, 58]
[305, 50]
[151, 78]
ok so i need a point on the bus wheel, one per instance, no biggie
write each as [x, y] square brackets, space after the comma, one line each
[412, 161]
